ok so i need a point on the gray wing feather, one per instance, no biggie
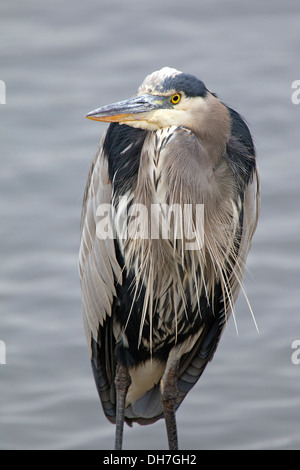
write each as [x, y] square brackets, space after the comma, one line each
[148, 409]
[98, 266]
[204, 349]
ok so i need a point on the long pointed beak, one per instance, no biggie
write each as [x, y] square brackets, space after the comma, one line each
[128, 110]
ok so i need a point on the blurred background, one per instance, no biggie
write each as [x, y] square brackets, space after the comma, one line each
[60, 60]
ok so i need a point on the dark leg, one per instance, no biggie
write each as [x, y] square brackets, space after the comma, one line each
[122, 382]
[168, 387]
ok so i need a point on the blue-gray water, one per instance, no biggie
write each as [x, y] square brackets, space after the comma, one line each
[60, 60]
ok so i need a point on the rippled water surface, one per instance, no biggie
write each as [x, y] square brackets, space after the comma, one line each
[59, 60]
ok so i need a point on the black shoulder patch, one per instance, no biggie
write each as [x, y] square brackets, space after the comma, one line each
[240, 149]
[122, 147]
[187, 83]
[239, 129]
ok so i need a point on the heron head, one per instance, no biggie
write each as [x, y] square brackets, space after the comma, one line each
[166, 98]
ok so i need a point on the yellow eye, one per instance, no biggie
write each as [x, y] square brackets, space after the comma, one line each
[176, 98]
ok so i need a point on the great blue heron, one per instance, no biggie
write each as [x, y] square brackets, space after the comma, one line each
[154, 309]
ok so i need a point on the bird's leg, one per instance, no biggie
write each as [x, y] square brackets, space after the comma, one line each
[122, 383]
[169, 391]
